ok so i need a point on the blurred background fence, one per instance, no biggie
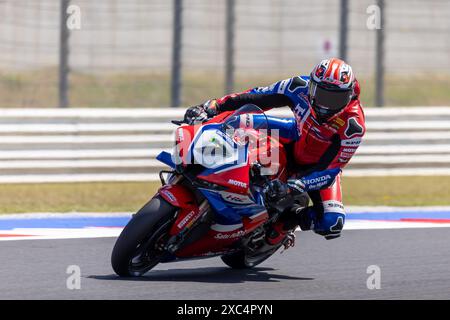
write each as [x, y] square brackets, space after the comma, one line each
[92, 144]
[138, 53]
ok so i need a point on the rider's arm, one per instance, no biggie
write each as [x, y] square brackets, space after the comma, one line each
[280, 94]
[265, 101]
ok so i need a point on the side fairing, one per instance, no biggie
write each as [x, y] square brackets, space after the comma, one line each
[230, 207]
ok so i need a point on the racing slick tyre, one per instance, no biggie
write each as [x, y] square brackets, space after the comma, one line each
[242, 260]
[136, 250]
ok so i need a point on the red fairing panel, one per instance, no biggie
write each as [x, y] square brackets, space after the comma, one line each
[237, 180]
[181, 197]
[215, 242]
[177, 195]
[211, 244]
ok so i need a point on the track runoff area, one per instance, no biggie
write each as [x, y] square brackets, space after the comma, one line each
[35, 226]
[383, 253]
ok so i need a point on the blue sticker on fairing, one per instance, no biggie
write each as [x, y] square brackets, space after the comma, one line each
[228, 212]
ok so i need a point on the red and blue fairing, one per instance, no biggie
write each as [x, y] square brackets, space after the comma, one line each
[225, 159]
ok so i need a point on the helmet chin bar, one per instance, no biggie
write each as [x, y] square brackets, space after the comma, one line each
[322, 113]
[327, 99]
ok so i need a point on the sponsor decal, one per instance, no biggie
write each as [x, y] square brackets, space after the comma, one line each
[343, 160]
[339, 122]
[351, 150]
[346, 155]
[319, 185]
[318, 179]
[283, 85]
[237, 183]
[224, 137]
[333, 206]
[354, 142]
[169, 195]
[185, 220]
[267, 89]
[235, 198]
[246, 120]
[226, 236]
[299, 110]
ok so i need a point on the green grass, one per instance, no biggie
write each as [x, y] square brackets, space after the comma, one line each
[38, 88]
[130, 196]
[397, 191]
[69, 197]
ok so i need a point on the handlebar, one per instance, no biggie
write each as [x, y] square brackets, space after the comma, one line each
[178, 122]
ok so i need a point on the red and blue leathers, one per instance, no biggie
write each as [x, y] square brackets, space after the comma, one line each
[318, 146]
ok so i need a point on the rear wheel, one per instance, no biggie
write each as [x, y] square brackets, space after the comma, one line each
[136, 250]
[245, 260]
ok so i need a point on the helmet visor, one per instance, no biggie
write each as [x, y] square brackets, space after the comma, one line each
[328, 98]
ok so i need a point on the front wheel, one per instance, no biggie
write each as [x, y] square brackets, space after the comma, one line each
[136, 250]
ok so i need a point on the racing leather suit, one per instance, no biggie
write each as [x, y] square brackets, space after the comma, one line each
[318, 147]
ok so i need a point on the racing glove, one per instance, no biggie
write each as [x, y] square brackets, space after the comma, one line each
[277, 196]
[275, 190]
[201, 112]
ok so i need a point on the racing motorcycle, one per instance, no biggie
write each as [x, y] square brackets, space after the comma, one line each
[214, 199]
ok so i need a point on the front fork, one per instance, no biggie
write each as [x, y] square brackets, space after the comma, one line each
[179, 236]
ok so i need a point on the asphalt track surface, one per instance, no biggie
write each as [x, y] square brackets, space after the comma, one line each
[414, 264]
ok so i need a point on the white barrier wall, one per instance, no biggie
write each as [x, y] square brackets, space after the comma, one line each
[51, 145]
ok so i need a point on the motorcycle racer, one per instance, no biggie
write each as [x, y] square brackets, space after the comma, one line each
[323, 135]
